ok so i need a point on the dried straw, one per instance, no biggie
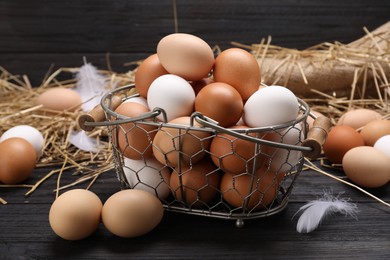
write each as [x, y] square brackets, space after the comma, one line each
[17, 106]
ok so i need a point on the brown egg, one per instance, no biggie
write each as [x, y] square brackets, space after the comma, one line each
[367, 166]
[134, 139]
[75, 214]
[239, 69]
[185, 55]
[196, 185]
[235, 155]
[17, 160]
[340, 140]
[374, 130]
[59, 99]
[220, 102]
[171, 145]
[241, 191]
[358, 118]
[132, 213]
[149, 70]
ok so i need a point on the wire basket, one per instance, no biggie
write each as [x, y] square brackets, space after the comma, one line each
[251, 177]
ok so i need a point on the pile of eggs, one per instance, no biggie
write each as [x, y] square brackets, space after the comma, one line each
[360, 142]
[175, 157]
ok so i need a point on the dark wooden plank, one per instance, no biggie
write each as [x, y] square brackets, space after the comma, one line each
[136, 26]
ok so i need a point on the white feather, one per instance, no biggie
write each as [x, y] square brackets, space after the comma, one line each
[315, 211]
[91, 85]
[82, 141]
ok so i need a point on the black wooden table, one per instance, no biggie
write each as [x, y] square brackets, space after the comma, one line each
[38, 35]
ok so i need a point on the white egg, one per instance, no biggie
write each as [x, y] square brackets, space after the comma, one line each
[139, 100]
[383, 144]
[269, 106]
[29, 133]
[148, 175]
[173, 94]
[284, 160]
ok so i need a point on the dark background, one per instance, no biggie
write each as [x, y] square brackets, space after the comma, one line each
[38, 35]
[35, 35]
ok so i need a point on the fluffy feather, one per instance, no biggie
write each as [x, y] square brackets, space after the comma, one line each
[82, 141]
[315, 211]
[91, 85]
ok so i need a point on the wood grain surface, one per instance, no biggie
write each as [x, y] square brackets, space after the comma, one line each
[38, 35]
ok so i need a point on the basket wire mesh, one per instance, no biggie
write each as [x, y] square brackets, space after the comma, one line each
[261, 189]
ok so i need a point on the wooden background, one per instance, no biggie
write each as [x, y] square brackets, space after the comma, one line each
[38, 36]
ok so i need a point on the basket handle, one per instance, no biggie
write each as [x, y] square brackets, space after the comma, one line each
[97, 114]
[316, 137]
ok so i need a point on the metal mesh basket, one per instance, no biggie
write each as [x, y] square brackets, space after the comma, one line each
[193, 175]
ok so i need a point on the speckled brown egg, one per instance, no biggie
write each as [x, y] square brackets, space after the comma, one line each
[238, 68]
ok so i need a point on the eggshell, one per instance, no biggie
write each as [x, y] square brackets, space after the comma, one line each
[269, 106]
[17, 160]
[134, 139]
[358, 118]
[171, 145]
[59, 99]
[367, 166]
[238, 68]
[383, 144]
[221, 102]
[29, 133]
[75, 214]
[146, 73]
[241, 191]
[185, 55]
[132, 213]
[197, 184]
[235, 155]
[374, 130]
[340, 140]
[148, 175]
[173, 94]
[282, 159]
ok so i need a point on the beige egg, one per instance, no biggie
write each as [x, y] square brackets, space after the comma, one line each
[185, 55]
[374, 130]
[59, 99]
[367, 167]
[132, 213]
[357, 118]
[75, 214]
[172, 145]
